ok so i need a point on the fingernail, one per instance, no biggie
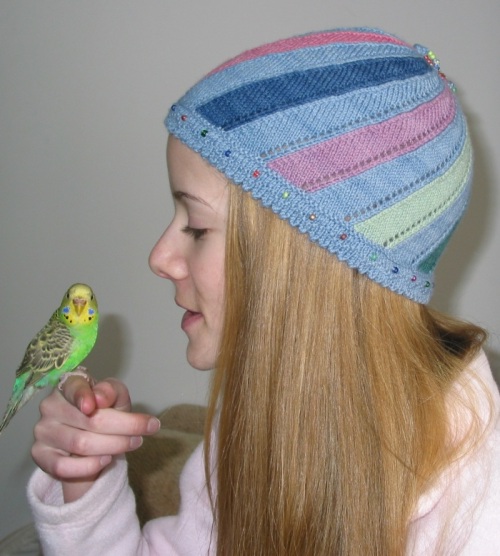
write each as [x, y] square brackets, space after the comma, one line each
[153, 425]
[135, 442]
[105, 460]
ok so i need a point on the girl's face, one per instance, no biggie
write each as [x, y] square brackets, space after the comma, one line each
[190, 252]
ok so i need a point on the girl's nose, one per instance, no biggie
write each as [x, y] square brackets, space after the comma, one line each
[166, 259]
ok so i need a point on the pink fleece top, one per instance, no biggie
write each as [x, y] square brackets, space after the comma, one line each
[465, 501]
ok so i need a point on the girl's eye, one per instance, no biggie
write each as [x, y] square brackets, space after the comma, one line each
[196, 233]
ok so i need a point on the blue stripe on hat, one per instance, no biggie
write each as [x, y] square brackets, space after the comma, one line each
[267, 96]
[355, 197]
[275, 64]
[284, 132]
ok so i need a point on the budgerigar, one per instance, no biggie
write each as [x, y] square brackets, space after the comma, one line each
[58, 348]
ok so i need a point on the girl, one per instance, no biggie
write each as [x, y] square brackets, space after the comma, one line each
[316, 182]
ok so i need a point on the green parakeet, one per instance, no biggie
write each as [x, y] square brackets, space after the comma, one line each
[58, 348]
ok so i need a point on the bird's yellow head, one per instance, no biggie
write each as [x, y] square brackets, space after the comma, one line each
[79, 305]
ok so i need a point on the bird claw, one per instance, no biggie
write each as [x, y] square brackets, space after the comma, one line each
[79, 371]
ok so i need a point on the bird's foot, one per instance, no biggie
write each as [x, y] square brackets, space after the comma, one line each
[79, 371]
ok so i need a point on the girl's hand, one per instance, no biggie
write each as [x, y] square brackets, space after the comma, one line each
[82, 428]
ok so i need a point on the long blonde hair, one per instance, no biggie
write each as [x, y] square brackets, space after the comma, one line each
[329, 393]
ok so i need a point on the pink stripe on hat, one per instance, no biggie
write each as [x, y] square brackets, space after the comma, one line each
[304, 41]
[355, 109]
[345, 156]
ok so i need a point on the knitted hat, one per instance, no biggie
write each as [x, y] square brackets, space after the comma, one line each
[352, 136]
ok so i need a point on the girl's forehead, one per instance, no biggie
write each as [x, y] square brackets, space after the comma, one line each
[192, 178]
[183, 162]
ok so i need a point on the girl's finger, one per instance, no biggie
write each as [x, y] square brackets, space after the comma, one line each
[71, 441]
[112, 393]
[62, 466]
[78, 392]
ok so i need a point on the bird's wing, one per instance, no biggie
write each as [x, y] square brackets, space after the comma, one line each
[48, 350]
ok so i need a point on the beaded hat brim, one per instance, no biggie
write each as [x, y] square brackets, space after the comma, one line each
[352, 136]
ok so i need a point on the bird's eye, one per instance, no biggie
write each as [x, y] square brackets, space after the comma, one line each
[91, 298]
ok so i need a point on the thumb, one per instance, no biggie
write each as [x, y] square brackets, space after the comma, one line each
[112, 393]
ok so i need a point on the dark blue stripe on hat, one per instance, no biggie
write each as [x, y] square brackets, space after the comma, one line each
[261, 98]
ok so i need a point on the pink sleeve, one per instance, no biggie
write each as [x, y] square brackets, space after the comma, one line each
[465, 501]
[104, 520]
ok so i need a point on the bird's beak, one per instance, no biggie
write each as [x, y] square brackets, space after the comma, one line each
[79, 304]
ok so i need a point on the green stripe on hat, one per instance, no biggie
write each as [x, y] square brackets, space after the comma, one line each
[404, 219]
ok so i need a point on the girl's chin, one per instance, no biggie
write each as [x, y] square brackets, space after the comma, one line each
[200, 361]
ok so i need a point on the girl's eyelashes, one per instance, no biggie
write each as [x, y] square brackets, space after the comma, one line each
[196, 233]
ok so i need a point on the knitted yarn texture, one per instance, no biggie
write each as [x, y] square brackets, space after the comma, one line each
[351, 135]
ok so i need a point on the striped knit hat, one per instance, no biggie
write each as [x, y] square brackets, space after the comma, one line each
[352, 136]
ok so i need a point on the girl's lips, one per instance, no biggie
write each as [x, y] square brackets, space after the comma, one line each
[189, 318]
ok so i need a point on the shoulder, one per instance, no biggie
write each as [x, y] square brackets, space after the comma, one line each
[482, 468]
[465, 500]
[193, 482]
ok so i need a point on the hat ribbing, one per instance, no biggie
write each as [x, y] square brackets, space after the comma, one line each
[352, 136]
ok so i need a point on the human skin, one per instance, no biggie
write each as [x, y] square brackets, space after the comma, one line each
[83, 426]
[191, 251]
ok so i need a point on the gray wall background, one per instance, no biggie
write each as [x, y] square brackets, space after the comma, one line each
[84, 87]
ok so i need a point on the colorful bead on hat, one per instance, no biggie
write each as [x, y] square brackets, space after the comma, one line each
[353, 136]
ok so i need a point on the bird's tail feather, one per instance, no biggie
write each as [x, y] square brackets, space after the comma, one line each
[14, 405]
